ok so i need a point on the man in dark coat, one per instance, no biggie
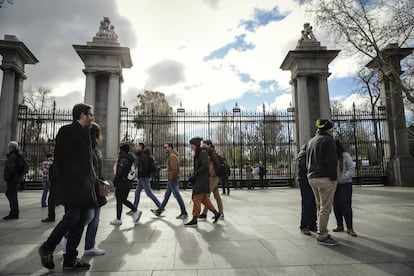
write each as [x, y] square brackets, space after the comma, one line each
[13, 175]
[200, 182]
[75, 188]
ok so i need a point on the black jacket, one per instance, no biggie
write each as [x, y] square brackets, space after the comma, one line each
[76, 177]
[123, 168]
[97, 165]
[13, 169]
[301, 165]
[144, 163]
[321, 159]
[200, 179]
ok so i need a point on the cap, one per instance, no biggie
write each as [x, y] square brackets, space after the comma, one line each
[324, 124]
[196, 141]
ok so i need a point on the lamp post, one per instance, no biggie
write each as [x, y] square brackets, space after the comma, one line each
[290, 112]
[237, 110]
[181, 112]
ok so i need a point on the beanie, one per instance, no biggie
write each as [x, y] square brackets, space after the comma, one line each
[196, 141]
[124, 147]
[324, 124]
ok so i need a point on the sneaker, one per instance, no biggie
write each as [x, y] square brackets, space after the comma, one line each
[136, 216]
[116, 222]
[352, 232]
[202, 217]
[48, 220]
[63, 243]
[306, 231]
[338, 228]
[328, 241]
[182, 216]
[216, 217]
[129, 213]
[192, 223]
[94, 251]
[313, 229]
[10, 217]
[77, 265]
[156, 212]
[46, 257]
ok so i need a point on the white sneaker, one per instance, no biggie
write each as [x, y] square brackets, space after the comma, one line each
[136, 216]
[63, 243]
[95, 251]
[116, 222]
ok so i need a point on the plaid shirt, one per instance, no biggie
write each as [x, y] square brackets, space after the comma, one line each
[45, 167]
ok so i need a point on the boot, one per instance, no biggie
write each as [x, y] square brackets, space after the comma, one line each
[192, 223]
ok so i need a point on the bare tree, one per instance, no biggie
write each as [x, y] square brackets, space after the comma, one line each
[368, 27]
[38, 99]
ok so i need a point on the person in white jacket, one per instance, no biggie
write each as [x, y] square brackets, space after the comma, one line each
[343, 195]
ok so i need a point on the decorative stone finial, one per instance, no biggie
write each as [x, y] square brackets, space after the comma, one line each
[308, 39]
[106, 33]
[307, 33]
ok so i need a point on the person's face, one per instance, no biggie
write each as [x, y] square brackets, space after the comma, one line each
[87, 119]
[138, 148]
[193, 147]
[260, 163]
[167, 148]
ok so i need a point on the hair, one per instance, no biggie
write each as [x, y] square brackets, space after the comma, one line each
[96, 132]
[208, 142]
[339, 152]
[49, 154]
[142, 145]
[13, 145]
[80, 108]
[170, 145]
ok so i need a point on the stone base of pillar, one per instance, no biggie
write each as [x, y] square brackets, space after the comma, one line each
[401, 172]
[3, 184]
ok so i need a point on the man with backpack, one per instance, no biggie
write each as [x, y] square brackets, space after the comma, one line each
[214, 173]
[146, 167]
[14, 169]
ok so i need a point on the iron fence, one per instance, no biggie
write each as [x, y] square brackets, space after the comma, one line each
[239, 136]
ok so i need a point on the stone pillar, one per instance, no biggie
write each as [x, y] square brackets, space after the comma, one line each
[398, 162]
[15, 56]
[308, 64]
[104, 60]
[90, 88]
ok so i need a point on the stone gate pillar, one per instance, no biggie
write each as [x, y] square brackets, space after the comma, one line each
[308, 64]
[104, 60]
[15, 56]
[398, 162]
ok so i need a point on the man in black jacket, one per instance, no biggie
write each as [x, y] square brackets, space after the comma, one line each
[308, 214]
[75, 188]
[321, 162]
[13, 175]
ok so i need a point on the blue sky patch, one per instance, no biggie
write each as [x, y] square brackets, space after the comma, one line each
[238, 44]
[262, 17]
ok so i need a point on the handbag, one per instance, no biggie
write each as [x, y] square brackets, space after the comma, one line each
[104, 187]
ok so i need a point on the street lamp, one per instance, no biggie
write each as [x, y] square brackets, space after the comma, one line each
[290, 111]
[237, 110]
[181, 112]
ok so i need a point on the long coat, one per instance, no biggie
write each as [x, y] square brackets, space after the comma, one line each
[200, 179]
[75, 173]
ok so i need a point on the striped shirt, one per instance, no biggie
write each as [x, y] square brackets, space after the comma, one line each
[45, 167]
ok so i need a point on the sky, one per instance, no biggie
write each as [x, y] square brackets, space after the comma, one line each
[197, 52]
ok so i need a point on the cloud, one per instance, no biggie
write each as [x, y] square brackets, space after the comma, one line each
[239, 44]
[282, 103]
[212, 3]
[165, 73]
[49, 28]
[69, 100]
[262, 17]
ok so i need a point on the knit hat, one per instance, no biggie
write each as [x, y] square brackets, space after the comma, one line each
[124, 147]
[324, 124]
[196, 141]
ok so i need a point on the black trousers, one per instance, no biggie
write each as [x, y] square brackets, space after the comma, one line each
[73, 222]
[343, 205]
[121, 195]
[225, 184]
[308, 215]
[11, 194]
[51, 203]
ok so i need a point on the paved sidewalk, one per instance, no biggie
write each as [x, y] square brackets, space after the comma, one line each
[259, 236]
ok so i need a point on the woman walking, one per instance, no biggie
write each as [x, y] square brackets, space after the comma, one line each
[343, 195]
[123, 185]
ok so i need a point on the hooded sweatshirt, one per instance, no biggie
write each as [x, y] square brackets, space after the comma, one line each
[173, 166]
[144, 163]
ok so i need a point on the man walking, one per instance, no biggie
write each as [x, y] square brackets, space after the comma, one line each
[76, 188]
[173, 174]
[321, 162]
[214, 172]
[46, 183]
[200, 182]
[13, 175]
[145, 169]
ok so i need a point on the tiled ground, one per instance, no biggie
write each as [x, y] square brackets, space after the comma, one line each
[259, 236]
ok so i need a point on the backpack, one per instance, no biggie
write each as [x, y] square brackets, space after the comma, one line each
[224, 167]
[152, 166]
[132, 173]
[24, 165]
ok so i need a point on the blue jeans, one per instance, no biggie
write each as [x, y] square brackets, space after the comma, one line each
[144, 183]
[343, 205]
[92, 229]
[45, 191]
[73, 223]
[172, 187]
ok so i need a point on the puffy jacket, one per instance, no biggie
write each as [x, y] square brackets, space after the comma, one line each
[348, 170]
[123, 168]
[301, 164]
[321, 159]
[144, 163]
[201, 179]
[173, 166]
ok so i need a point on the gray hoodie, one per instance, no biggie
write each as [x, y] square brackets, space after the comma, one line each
[348, 170]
